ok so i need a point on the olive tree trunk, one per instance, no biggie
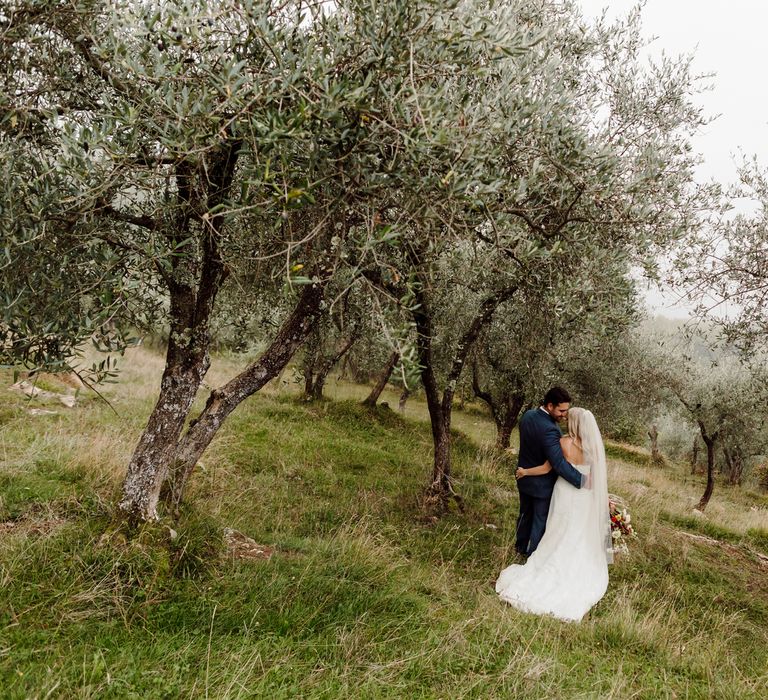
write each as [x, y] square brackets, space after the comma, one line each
[148, 468]
[222, 401]
[318, 369]
[507, 424]
[710, 441]
[656, 456]
[505, 409]
[193, 283]
[695, 456]
[404, 395]
[710, 438]
[734, 460]
[440, 490]
[372, 399]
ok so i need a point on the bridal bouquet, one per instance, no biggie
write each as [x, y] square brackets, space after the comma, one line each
[621, 525]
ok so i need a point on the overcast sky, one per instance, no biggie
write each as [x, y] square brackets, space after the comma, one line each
[728, 39]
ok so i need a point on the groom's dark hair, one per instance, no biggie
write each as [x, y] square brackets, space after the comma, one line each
[557, 395]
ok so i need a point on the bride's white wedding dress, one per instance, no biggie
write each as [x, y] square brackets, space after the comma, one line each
[568, 572]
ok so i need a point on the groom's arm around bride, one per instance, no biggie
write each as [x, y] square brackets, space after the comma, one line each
[560, 465]
[539, 443]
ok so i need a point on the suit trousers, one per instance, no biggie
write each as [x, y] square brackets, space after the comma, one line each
[531, 522]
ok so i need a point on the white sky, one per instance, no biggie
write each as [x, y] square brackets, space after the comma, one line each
[729, 39]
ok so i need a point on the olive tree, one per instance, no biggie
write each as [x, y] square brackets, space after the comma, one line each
[344, 320]
[723, 268]
[586, 159]
[222, 142]
[721, 402]
[548, 336]
[719, 397]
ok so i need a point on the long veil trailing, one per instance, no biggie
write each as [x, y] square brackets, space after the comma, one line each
[568, 572]
[594, 455]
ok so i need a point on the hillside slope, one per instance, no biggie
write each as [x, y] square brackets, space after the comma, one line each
[351, 591]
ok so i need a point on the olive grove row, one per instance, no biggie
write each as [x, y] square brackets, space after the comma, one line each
[467, 185]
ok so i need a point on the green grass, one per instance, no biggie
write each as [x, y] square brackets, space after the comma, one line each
[364, 596]
[627, 453]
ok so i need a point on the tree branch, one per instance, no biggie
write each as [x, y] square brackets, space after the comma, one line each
[485, 313]
[476, 389]
[140, 220]
[84, 44]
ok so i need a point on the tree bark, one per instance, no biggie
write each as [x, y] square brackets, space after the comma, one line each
[309, 384]
[505, 411]
[317, 387]
[403, 399]
[187, 361]
[737, 473]
[440, 490]
[762, 477]
[149, 465]
[310, 361]
[656, 456]
[381, 382]
[710, 442]
[695, 456]
[735, 462]
[221, 402]
[344, 369]
[193, 284]
[507, 424]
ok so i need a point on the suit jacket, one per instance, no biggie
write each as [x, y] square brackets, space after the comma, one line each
[540, 442]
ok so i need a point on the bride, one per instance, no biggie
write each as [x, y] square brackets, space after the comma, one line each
[568, 572]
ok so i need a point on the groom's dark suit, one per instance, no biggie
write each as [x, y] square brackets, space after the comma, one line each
[539, 442]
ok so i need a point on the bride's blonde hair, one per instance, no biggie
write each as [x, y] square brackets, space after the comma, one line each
[582, 427]
[576, 418]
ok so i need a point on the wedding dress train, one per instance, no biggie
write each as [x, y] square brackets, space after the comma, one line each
[568, 572]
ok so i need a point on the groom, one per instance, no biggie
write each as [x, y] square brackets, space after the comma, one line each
[539, 443]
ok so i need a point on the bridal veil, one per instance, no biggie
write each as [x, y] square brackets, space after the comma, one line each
[583, 428]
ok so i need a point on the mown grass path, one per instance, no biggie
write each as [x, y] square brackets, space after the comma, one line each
[363, 597]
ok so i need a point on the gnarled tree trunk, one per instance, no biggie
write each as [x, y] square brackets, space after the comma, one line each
[440, 490]
[193, 284]
[344, 369]
[316, 376]
[710, 439]
[734, 460]
[656, 456]
[310, 360]
[222, 401]
[506, 425]
[149, 465]
[695, 456]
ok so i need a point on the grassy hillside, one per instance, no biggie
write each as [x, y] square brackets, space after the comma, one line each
[346, 589]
